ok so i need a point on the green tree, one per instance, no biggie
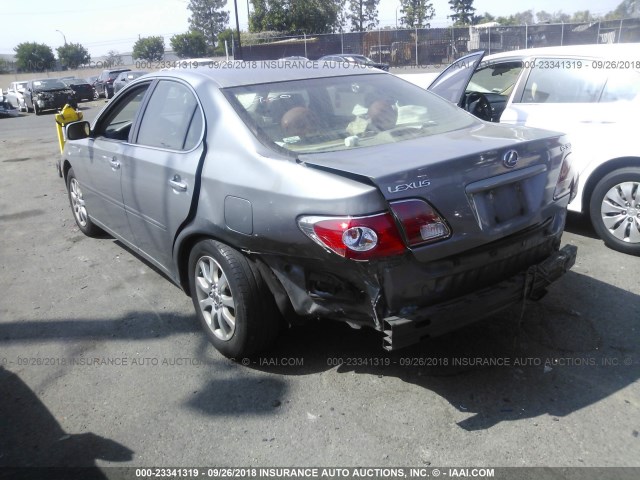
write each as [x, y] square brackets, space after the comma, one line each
[484, 18]
[520, 18]
[189, 45]
[362, 14]
[228, 35]
[582, 16]
[72, 55]
[208, 18]
[462, 11]
[149, 48]
[416, 13]
[34, 57]
[626, 9]
[295, 16]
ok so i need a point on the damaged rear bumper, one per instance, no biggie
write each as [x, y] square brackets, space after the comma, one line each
[438, 319]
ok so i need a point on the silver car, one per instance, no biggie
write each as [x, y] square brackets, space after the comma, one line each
[275, 195]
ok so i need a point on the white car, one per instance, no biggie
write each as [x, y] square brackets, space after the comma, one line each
[590, 92]
[15, 95]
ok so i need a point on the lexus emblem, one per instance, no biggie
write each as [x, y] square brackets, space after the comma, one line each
[510, 159]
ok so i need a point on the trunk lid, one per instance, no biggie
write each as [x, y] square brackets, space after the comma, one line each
[487, 181]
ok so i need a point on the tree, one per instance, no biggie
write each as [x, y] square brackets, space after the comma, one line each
[149, 48]
[114, 58]
[462, 11]
[208, 18]
[189, 45]
[295, 16]
[484, 18]
[34, 57]
[363, 14]
[520, 18]
[626, 9]
[555, 17]
[416, 13]
[229, 35]
[582, 16]
[72, 55]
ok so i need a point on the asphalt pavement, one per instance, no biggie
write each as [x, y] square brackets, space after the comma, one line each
[102, 362]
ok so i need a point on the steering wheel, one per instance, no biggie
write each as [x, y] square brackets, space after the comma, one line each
[477, 104]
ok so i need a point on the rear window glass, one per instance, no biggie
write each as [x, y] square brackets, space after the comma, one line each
[339, 113]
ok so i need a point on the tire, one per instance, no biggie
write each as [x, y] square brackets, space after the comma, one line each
[614, 209]
[232, 302]
[79, 208]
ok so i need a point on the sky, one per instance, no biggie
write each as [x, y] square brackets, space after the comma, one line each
[117, 24]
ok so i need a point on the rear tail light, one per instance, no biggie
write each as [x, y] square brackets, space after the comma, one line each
[420, 222]
[566, 181]
[357, 238]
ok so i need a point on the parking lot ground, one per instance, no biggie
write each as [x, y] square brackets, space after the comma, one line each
[102, 362]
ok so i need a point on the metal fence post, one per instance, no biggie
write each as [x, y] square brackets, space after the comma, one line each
[305, 44]
[598, 34]
[620, 31]
[562, 35]
[489, 40]
[341, 42]
[526, 36]
[417, 47]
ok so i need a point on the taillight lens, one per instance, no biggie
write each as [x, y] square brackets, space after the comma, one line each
[420, 222]
[566, 181]
[357, 238]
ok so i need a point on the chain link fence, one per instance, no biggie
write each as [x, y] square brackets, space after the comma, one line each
[434, 46]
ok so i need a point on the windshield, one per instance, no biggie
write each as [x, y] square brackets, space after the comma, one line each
[339, 113]
[496, 78]
[48, 84]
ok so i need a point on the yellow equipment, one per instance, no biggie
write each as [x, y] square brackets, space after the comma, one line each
[67, 115]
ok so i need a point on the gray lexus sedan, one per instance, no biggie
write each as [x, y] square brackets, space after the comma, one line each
[274, 195]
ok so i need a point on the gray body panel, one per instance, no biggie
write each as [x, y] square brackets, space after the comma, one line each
[248, 195]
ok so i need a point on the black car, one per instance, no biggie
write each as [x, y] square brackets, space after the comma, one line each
[48, 94]
[104, 83]
[354, 60]
[82, 89]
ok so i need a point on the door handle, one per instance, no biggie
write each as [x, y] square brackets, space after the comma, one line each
[115, 164]
[177, 184]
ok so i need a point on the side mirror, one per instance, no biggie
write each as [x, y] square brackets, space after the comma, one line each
[78, 130]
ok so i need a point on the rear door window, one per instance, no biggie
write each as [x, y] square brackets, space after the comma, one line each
[561, 80]
[172, 118]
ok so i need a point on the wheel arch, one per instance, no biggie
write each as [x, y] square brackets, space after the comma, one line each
[600, 172]
[260, 268]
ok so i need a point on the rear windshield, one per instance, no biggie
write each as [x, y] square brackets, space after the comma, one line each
[338, 113]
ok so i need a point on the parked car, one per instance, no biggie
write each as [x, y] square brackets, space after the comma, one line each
[123, 78]
[6, 108]
[81, 88]
[92, 81]
[590, 92]
[48, 94]
[104, 82]
[353, 195]
[355, 60]
[15, 95]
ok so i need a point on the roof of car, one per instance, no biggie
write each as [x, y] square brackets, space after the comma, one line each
[232, 74]
[616, 50]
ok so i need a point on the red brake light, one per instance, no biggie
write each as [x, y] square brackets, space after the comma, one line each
[566, 180]
[357, 238]
[420, 221]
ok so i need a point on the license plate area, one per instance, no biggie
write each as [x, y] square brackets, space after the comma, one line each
[500, 201]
